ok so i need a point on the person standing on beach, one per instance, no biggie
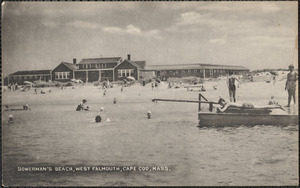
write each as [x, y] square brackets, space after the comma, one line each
[156, 85]
[274, 79]
[231, 86]
[290, 84]
[152, 85]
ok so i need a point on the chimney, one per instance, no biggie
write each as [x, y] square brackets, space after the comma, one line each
[128, 57]
[74, 61]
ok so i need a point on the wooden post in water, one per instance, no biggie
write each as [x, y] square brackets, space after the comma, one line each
[199, 106]
[210, 106]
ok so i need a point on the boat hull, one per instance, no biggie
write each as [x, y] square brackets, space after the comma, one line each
[233, 119]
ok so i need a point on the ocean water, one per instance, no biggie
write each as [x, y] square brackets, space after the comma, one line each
[170, 144]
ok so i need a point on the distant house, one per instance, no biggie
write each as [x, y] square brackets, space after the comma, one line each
[64, 71]
[97, 69]
[31, 75]
[129, 68]
[197, 70]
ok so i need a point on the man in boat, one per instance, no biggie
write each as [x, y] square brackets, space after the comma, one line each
[290, 84]
[231, 86]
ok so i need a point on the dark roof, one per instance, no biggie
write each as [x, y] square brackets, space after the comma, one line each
[141, 64]
[194, 66]
[100, 60]
[31, 72]
[173, 67]
[226, 67]
[137, 64]
[70, 65]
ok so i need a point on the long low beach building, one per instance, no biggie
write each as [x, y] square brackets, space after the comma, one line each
[114, 69]
[197, 70]
[31, 75]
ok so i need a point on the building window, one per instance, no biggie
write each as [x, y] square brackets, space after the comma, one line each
[104, 65]
[176, 72]
[90, 66]
[195, 71]
[189, 71]
[215, 71]
[97, 65]
[62, 75]
[201, 71]
[170, 72]
[182, 71]
[125, 72]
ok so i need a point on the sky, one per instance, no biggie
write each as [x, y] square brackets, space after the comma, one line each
[257, 35]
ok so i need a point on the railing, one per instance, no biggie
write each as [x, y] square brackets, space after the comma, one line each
[211, 103]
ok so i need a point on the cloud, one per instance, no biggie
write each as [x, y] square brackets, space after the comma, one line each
[218, 41]
[84, 25]
[255, 7]
[50, 24]
[178, 5]
[132, 30]
[269, 41]
[112, 29]
[191, 22]
[234, 24]
[194, 18]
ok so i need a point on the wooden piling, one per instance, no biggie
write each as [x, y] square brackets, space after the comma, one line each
[199, 106]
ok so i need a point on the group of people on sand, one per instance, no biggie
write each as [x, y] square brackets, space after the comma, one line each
[290, 86]
[154, 84]
[42, 91]
[13, 86]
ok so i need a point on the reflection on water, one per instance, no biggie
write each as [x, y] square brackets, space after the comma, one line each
[256, 155]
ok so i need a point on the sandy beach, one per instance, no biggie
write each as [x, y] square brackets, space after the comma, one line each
[53, 134]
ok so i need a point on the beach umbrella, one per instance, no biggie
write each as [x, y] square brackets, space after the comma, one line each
[76, 81]
[274, 73]
[130, 78]
[27, 82]
[158, 80]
